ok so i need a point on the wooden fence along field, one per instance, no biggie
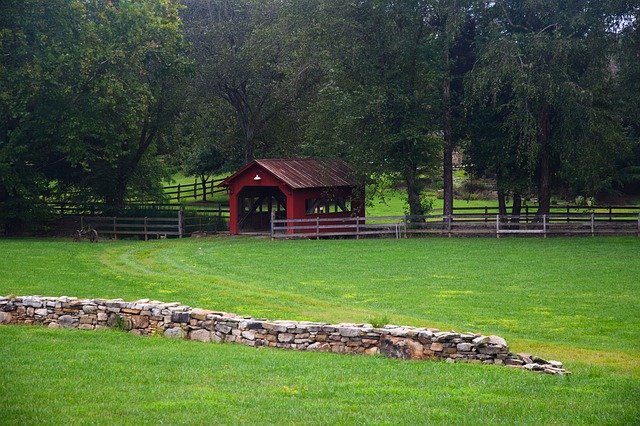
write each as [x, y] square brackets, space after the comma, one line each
[620, 220]
[172, 221]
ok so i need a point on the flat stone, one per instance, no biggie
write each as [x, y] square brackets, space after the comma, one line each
[85, 327]
[90, 309]
[42, 312]
[53, 325]
[102, 316]
[200, 314]
[200, 335]
[67, 321]
[556, 364]
[224, 329]
[174, 333]
[481, 340]
[349, 331]
[445, 336]
[285, 337]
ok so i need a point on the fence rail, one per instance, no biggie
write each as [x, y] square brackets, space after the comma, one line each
[460, 224]
[196, 190]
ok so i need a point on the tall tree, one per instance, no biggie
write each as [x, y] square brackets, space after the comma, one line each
[249, 56]
[546, 62]
[453, 27]
[377, 106]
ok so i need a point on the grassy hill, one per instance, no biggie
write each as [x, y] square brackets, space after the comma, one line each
[570, 299]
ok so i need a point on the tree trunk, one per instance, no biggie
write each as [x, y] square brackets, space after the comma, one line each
[203, 181]
[413, 191]
[516, 209]
[544, 189]
[502, 205]
[449, 142]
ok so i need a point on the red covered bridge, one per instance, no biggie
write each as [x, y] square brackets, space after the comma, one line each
[291, 189]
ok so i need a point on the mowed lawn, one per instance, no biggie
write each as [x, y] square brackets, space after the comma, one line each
[574, 299]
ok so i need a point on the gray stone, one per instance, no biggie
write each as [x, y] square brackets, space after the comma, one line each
[481, 340]
[445, 336]
[556, 364]
[53, 325]
[464, 347]
[349, 331]
[249, 335]
[497, 340]
[174, 333]
[90, 309]
[200, 335]
[33, 302]
[67, 321]
[224, 329]
[42, 312]
[102, 316]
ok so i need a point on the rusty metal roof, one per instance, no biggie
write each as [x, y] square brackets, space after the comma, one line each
[305, 173]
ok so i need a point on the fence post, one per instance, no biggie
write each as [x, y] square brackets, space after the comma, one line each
[146, 236]
[486, 214]
[610, 216]
[449, 225]
[317, 228]
[180, 222]
[568, 215]
[358, 227]
[115, 231]
[592, 225]
[404, 222]
[195, 189]
[498, 226]
[544, 225]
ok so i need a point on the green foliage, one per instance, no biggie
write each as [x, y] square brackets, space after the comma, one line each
[86, 90]
[379, 321]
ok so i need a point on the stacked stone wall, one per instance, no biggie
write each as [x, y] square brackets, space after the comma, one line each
[173, 320]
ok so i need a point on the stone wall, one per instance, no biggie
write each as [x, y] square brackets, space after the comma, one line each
[173, 320]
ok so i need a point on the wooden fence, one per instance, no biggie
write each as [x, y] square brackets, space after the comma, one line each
[194, 191]
[460, 224]
[148, 221]
[147, 227]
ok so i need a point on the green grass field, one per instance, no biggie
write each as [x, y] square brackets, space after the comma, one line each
[574, 299]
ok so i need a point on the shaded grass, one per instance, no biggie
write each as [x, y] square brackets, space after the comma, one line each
[573, 299]
[111, 377]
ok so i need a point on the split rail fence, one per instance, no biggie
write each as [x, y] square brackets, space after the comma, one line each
[572, 223]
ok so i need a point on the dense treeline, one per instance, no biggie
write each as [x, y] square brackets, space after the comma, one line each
[102, 99]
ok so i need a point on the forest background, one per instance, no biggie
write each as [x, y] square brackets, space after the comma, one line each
[103, 100]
